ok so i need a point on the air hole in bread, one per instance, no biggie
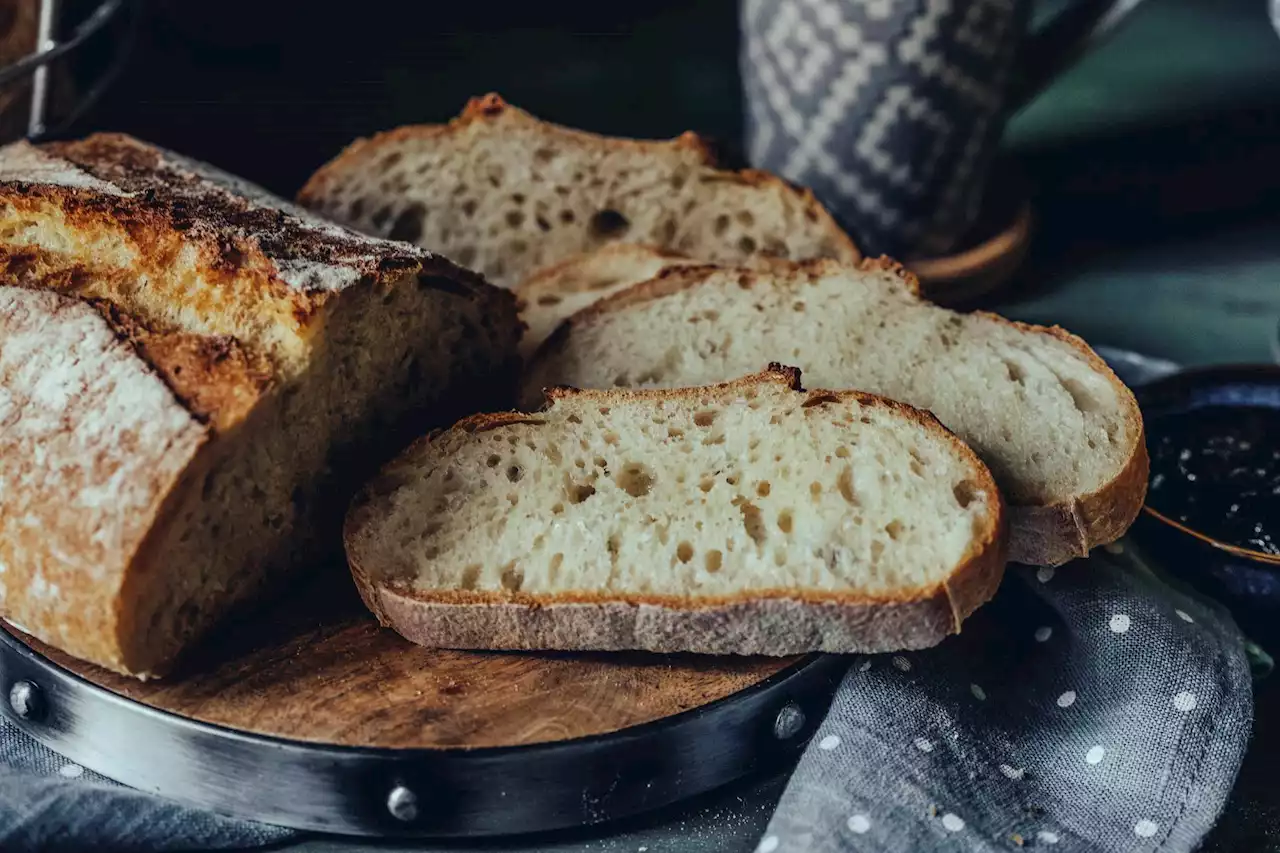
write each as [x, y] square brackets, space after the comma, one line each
[715, 560]
[894, 529]
[515, 473]
[965, 493]
[389, 162]
[622, 380]
[579, 492]
[601, 463]
[746, 245]
[493, 460]
[496, 175]
[466, 256]
[470, 576]
[512, 578]
[468, 208]
[603, 283]
[553, 568]
[608, 224]
[712, 440]
[381, 216]
[785, 521]
[543, 224]
[668, 231]
[845, 484]
[544, 155]
[774, 248]
[1080, 396]
[513, 498]
[611, 437]
[515, 218]
[721, 225]
[567, 216]
[357, 208]
[779, 557]
[604, 410]
[763, 488]
[707, 483]
[549, 299]
[684, 552]
[705, 418]
[672, 432]
[557, 508]
[574, 419]
[877, 550]
[753, 522]
[519, 247]
[635, 479]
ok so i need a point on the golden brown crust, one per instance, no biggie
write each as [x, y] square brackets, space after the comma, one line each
[818, 621]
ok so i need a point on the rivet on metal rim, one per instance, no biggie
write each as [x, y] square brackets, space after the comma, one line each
[402, 803]
[789, 722]
[26, 700]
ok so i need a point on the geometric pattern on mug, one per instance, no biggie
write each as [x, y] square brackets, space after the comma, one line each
[881, 106]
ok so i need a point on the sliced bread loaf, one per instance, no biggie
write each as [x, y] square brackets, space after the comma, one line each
[1062, 435]
[192, 376]
[744, 518]
[501, 192]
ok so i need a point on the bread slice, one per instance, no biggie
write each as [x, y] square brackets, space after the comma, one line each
[551, 295]
[1062, 435]
[501, 192]
[191, 375]
[743, 518]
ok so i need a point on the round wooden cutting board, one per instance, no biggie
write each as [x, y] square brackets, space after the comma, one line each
[328, 715]
[322, 670]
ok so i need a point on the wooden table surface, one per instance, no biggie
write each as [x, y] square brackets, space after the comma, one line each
[1156, 166]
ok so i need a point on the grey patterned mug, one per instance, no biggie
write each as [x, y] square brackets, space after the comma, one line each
[890, 110]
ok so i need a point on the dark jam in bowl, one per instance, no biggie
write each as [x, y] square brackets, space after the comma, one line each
[1216, 469]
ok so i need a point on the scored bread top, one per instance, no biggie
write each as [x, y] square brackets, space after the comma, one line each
[91, 441]
[505, 193]
[181, 244]
[754, 517]
[1061, 433]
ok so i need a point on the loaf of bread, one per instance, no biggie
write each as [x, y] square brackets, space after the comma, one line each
[191, 374]
[744, 518]
[1062, 435]
[501, 192]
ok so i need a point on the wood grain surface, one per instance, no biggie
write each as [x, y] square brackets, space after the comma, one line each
[317, 667]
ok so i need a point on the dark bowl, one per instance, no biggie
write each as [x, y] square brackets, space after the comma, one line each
[1246, 580]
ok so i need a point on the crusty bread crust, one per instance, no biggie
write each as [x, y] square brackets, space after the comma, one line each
[760, 622]
[1046, 534]
[131, 409]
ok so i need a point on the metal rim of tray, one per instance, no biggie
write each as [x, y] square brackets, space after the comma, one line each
[425, 792]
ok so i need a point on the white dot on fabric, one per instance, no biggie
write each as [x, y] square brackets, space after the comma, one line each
[1047, 837]
[859, 823]
[902, 663]
[1184, 616]
[1145, 828]
[1044, 632]
[1011, 772]
[923, 745]
[866, 665]
[829, 743]
[1044, 574]
[1094, 755]
[1185, 701]
[1113, 548]
[1066, 700]
[1120, 623]
[952, 822]
[978, 692]
[71, 771]
[768, 844]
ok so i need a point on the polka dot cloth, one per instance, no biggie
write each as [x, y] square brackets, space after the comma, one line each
[1094, 688]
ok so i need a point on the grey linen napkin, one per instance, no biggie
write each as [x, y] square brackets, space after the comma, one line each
[1088, 708]
[1091, 708]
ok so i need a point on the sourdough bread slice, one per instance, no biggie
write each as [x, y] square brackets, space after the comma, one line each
[744, 518]
[501, 192]
[1062, 435]
[551, 295]
[193, 375]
